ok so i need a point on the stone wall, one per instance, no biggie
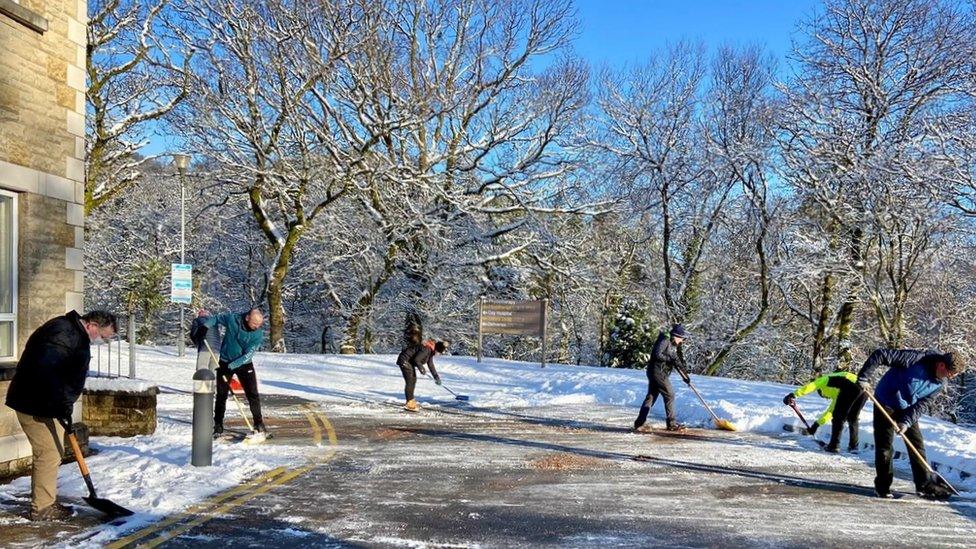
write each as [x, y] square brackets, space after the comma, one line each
[42, 152]
[120, 413]
[42, 96]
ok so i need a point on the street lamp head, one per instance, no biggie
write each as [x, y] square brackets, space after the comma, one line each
[181, 161]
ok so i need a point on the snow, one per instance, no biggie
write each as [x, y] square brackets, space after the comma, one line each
[119, 385]
[152, 475]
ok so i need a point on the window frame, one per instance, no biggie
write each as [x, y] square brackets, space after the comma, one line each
[15, 244]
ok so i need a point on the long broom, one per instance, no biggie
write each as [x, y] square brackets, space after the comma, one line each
[722, 424]
[934, 475]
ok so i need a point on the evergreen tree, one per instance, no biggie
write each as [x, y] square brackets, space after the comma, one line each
[631, 337]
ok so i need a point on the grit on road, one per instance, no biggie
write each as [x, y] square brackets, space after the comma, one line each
[568, 476]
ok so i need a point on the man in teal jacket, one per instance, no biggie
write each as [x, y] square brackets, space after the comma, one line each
[243, 335]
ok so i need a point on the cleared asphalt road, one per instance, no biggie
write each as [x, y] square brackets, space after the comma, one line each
[573, 476]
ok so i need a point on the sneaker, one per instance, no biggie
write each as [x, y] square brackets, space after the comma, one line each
[676, 427]
[886, 494]
[54, 512]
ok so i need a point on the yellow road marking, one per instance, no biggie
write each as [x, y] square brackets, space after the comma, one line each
[260, 485]
[198, 508]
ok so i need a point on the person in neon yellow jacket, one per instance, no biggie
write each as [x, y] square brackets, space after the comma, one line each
[846, 401]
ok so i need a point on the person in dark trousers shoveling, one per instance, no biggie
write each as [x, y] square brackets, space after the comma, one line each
[49, 379]
[664, 359]
[846, 402]
[414, 357]
[906, 391]
[243, 335]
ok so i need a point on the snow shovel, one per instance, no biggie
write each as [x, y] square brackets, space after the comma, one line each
[463, 398]
[934, 476]
[722, 424]
[101, 504]
[255, 436]
[807, 425]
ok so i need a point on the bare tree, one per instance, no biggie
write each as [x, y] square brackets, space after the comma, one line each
[136, 75]
[871, 78]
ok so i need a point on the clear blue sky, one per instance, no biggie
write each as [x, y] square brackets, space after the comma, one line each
[616, 32]
[627, 31]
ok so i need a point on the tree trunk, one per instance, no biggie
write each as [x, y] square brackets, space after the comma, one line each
[820, 334]
[845, 324]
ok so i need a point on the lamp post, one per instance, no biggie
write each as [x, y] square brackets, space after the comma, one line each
[182, 161]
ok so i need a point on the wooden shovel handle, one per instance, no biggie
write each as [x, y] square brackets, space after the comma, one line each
[908, 443]
[78, 456]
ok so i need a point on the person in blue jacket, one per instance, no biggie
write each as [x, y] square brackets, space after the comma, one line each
[243, 335]
[907, 390]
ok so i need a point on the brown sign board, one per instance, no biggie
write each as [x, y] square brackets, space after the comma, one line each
[513, 317]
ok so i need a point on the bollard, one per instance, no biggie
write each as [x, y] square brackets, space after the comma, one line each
[203, 411]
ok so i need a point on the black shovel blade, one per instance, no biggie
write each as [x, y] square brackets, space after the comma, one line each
[108, 507]
[938, 486]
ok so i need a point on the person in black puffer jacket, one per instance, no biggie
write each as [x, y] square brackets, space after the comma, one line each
[49, 379]
[414, 357]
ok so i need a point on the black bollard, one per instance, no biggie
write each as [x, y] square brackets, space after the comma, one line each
[203, 413]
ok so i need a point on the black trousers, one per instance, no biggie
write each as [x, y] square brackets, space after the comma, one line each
[850, 402]
[658, 384]
[884, 434]
[410, 377]
[249, 381]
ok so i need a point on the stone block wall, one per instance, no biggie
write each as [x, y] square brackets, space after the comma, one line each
[42, 160]
[120, 413]
[42, 96]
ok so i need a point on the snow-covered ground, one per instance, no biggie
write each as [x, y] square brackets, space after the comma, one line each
[152, 475]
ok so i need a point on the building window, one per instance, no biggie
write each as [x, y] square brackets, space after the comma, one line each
[8, 275]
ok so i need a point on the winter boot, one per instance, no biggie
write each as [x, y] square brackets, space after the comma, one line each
[884, 495]
[675, 426]
[412, 406]
[53, 512]
[644, 428]
[218, 430]
[832, 449]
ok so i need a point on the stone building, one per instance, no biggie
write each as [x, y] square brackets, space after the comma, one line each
[42, 163]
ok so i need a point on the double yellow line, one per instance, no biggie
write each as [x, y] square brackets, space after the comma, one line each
[235, 497]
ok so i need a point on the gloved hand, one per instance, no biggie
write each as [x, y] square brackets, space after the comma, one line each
[813, 429]
[684, 376]
[789, 399]
[901, 428]
[865, 385]
[65, 418]
[438, 381]
[423, 372]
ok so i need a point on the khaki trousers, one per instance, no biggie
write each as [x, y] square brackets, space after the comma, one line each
[46, 436]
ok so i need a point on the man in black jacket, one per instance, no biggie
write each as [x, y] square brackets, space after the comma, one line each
[49, 379]
[664, 358]
[414, 357]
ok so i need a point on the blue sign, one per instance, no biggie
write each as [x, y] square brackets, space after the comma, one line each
[182, 283]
